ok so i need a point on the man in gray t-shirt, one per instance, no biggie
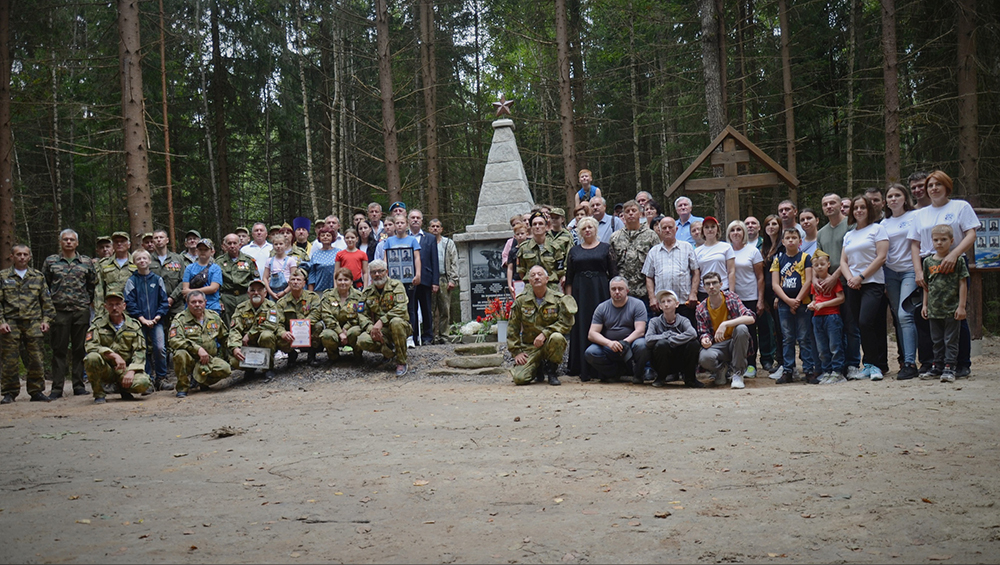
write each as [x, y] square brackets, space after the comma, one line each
[617, 336]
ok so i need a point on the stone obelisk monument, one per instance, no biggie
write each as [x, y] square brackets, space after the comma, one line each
[504, 193]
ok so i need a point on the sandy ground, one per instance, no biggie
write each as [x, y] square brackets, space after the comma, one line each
[332, 466]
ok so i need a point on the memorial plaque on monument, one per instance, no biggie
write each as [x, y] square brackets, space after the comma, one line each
[487, 276]
[400, 264]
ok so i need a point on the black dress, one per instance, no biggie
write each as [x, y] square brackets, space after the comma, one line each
[588, 271]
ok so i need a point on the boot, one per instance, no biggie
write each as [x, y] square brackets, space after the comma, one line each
[549, 368]
[312, 357]
[293, 356]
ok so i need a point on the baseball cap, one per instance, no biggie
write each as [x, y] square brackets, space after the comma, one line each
[660, 294]
[255, 281]
[557, 212]
[709, 219]
[195, 233]
[103, 239]
[206, 242]
[120, 234]
[114, 295]
[242, 229]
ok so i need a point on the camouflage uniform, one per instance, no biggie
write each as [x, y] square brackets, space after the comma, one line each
[387, 305]
[25, 305]
[172, 273]
[553, 318]
[262, 324]
[306, 307]
[349, 316]
[549, 255]
[236, 276]
[113, 277]
[72, 284]
[301, 256]
[187, 335]
[563, 239]
[630, 248]
[128, 342]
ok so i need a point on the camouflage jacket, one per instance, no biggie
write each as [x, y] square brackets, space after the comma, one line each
[386, 303]
[237, 273]
[188, 334]
[127, 341]
[113, 277]
[72, 283]
[247, 320]
[172, 273]
[25, 299]
[528, 318]
[549, 255]
[339, 315]
[307, 307]
[630, 248]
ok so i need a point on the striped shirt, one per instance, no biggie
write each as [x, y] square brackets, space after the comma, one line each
[671, 269]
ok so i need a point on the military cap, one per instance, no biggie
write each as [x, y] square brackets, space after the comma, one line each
[557, 212]
[274, 228]
[114, 294]
[396, 205]
[256, 281]
[195, 233]
[242, 229]
[147, 234]
[206, 242]
[103, 239]
[120, 234]
[619, 206]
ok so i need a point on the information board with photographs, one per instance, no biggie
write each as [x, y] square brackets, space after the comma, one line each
[487, 276]
[401, 264]
[988, 242]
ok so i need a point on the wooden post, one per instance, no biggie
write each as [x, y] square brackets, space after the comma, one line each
[974, 304]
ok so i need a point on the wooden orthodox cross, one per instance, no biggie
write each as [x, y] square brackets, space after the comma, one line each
[729, 159]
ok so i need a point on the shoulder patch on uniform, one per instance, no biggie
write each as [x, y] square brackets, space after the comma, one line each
[173, 332]
[90, 335]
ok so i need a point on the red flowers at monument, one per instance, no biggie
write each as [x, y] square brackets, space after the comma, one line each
[498, 309]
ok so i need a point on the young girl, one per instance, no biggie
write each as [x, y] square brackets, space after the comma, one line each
[354, 259]
[520, 235]
[279, 268]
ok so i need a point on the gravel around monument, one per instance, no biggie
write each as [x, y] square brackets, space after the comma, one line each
[351, 464]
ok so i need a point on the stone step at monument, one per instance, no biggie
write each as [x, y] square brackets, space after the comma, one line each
[474, 362]
[476, 349]
[453, 372]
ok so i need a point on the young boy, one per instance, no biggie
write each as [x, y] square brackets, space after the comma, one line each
[673, 342]
[826, 322]
[791, 277]
[146, 301]
[944, 304]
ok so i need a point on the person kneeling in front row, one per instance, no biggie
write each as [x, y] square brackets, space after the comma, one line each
[722, 327]
[116, 352]
[385, 299]
[539, 320]
[196, 334]
[617, 336]
[673, 343]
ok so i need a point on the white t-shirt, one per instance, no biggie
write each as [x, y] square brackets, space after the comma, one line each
[956, 213]
[898, 230]
[713, 258]
[259, 253]
[746, 277]
[859, 246]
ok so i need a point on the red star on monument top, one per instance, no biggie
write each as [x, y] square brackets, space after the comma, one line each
[503, 106]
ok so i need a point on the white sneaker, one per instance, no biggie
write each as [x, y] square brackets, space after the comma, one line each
[410, 344]
[279, 355]
[750, 373]
[876, 374]
[853, 373]
[737, 381]
[776, 374]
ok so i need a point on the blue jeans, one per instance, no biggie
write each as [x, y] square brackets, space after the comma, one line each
[156, 351]
[899, 286]
[829, 332]
[608, 364]
[796, 327]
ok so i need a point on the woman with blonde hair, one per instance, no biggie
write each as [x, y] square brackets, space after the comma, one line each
[589, 268]
[749, 270]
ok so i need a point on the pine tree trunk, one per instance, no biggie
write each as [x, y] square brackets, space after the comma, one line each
[209, 148]
[224, 222]
[786, 81]
[138, 201]
[56, 162]
[890, 78]
[428, 71]
[8, 227]
[852, 48]
[633, 89]
[968, 104]
[712, 65]
[305, 113]
[565, 104]
[580, 133]
[166, 132]
[392, 178]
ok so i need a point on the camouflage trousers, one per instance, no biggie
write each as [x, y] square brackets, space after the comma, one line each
[331, 342]
[552, 350]
[26, 334]
[100, 372]
[185, 366]
[395, 340]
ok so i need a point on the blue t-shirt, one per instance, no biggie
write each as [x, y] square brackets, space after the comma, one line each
[405, 241]
[214, 276]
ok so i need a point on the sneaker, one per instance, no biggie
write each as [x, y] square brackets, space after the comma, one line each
[948, 375]
[279, 355]
[907, 372]
[750, 373]
[876, 374]
[930, 373]
[786, 378]
[100, 400]
[776, 373]
[181, 394]
[853, 373]
[400, 370]
[737, 381]
[836, 378]
[963, 372]
[866, 372]
[410, 344]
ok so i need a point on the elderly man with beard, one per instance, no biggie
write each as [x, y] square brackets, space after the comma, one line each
[195, 337]
[257, 322]
[385, 299]
[539, 320]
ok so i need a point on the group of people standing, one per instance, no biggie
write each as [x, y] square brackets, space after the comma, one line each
[654, 298]
[120, 315]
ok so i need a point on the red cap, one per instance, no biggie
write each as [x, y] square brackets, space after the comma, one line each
[709, 219]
